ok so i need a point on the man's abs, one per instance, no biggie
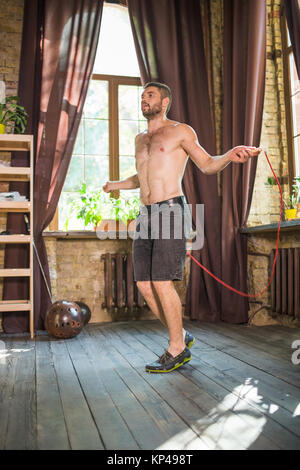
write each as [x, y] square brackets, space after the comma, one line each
[157, 184]
[158, 195]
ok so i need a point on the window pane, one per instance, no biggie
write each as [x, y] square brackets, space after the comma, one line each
[127, 167]
[96, 172]
[142, 126]
[288, 35]
[295, 82]
[96, 137]
[127, 133]
[96, 103]
[296, 113]
[78, 148]
[297, 155]
[65, 213]
[116, 51]
[75, 174]
[140, 91]
[128, 102]
[129, 193]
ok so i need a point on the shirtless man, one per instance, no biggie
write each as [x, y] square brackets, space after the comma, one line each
[161, 156]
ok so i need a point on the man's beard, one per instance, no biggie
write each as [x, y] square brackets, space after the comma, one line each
[151, 113]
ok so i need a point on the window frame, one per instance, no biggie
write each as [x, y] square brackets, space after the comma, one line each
[286, 51]
[113, 130]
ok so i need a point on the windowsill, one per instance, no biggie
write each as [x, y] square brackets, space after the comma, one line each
[284, 227]
[92, 234]
[111, 234]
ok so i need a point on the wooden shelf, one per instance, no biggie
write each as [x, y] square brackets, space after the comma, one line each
[14, 305]
[14, 272]
[14, 206]
[11, 142]
[15, 238]
[11, 173]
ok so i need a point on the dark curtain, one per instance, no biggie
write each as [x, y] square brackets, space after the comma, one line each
[170, 49]
[58, 50]
[292, 13]
[243, 84]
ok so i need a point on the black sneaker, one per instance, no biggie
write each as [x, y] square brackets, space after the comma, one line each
[189, 339]
[167, 363]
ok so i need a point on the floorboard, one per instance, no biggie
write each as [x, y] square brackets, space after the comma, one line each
[114, 431]
[240, 390]
[8, 368]
[21, 425]
[51, 425]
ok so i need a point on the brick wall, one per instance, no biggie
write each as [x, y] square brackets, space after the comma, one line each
[273, 137]
[259, 248]
[77, 272]
[11, 19]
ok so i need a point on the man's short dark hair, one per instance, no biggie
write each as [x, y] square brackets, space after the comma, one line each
[165, 92]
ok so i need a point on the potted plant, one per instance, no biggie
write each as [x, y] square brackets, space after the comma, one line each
[120, 214]
[103, 211]
[297, 182]
[87, 207]
[292, 201]
[12, 116]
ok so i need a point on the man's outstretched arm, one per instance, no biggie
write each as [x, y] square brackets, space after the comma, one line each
[129, 183]
[207, 163]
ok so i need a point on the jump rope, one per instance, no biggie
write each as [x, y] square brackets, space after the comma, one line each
[278, 230]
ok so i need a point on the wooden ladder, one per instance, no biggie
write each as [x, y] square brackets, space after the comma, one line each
[9, 143]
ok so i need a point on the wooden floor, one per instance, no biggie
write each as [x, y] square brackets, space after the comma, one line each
[240, 391]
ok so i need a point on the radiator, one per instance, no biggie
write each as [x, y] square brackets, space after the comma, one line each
[120, 289]
[285, 286]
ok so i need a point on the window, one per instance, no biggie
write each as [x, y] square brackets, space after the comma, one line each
[104, 148]
[292, 95]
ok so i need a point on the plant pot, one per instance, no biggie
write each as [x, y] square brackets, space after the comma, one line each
[290, 214]
[131, 224]
[298, 211]
[115, 225]
[2, 128]
[111, 225]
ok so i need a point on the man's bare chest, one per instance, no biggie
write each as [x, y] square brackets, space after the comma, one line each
[158, 144]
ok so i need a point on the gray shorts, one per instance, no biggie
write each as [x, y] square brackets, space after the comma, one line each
[159, 245]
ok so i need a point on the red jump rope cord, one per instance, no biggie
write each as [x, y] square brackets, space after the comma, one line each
[278, 230]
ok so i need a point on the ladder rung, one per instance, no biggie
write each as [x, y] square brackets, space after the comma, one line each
[14, 305]
[15, 238]
[14, 272]
[14, 206]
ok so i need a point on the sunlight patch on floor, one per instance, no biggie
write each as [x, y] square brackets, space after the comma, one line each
[5, 353]
[232, 424]
[297, 411]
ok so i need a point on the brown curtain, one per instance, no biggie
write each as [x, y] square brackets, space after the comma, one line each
[243, 85]
[170, 48]
[58, 50]
[292, 13]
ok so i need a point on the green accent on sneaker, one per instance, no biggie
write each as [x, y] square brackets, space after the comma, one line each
[168, 363]
[189, 339]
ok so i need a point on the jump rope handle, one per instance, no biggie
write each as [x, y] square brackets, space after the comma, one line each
[273, 270]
